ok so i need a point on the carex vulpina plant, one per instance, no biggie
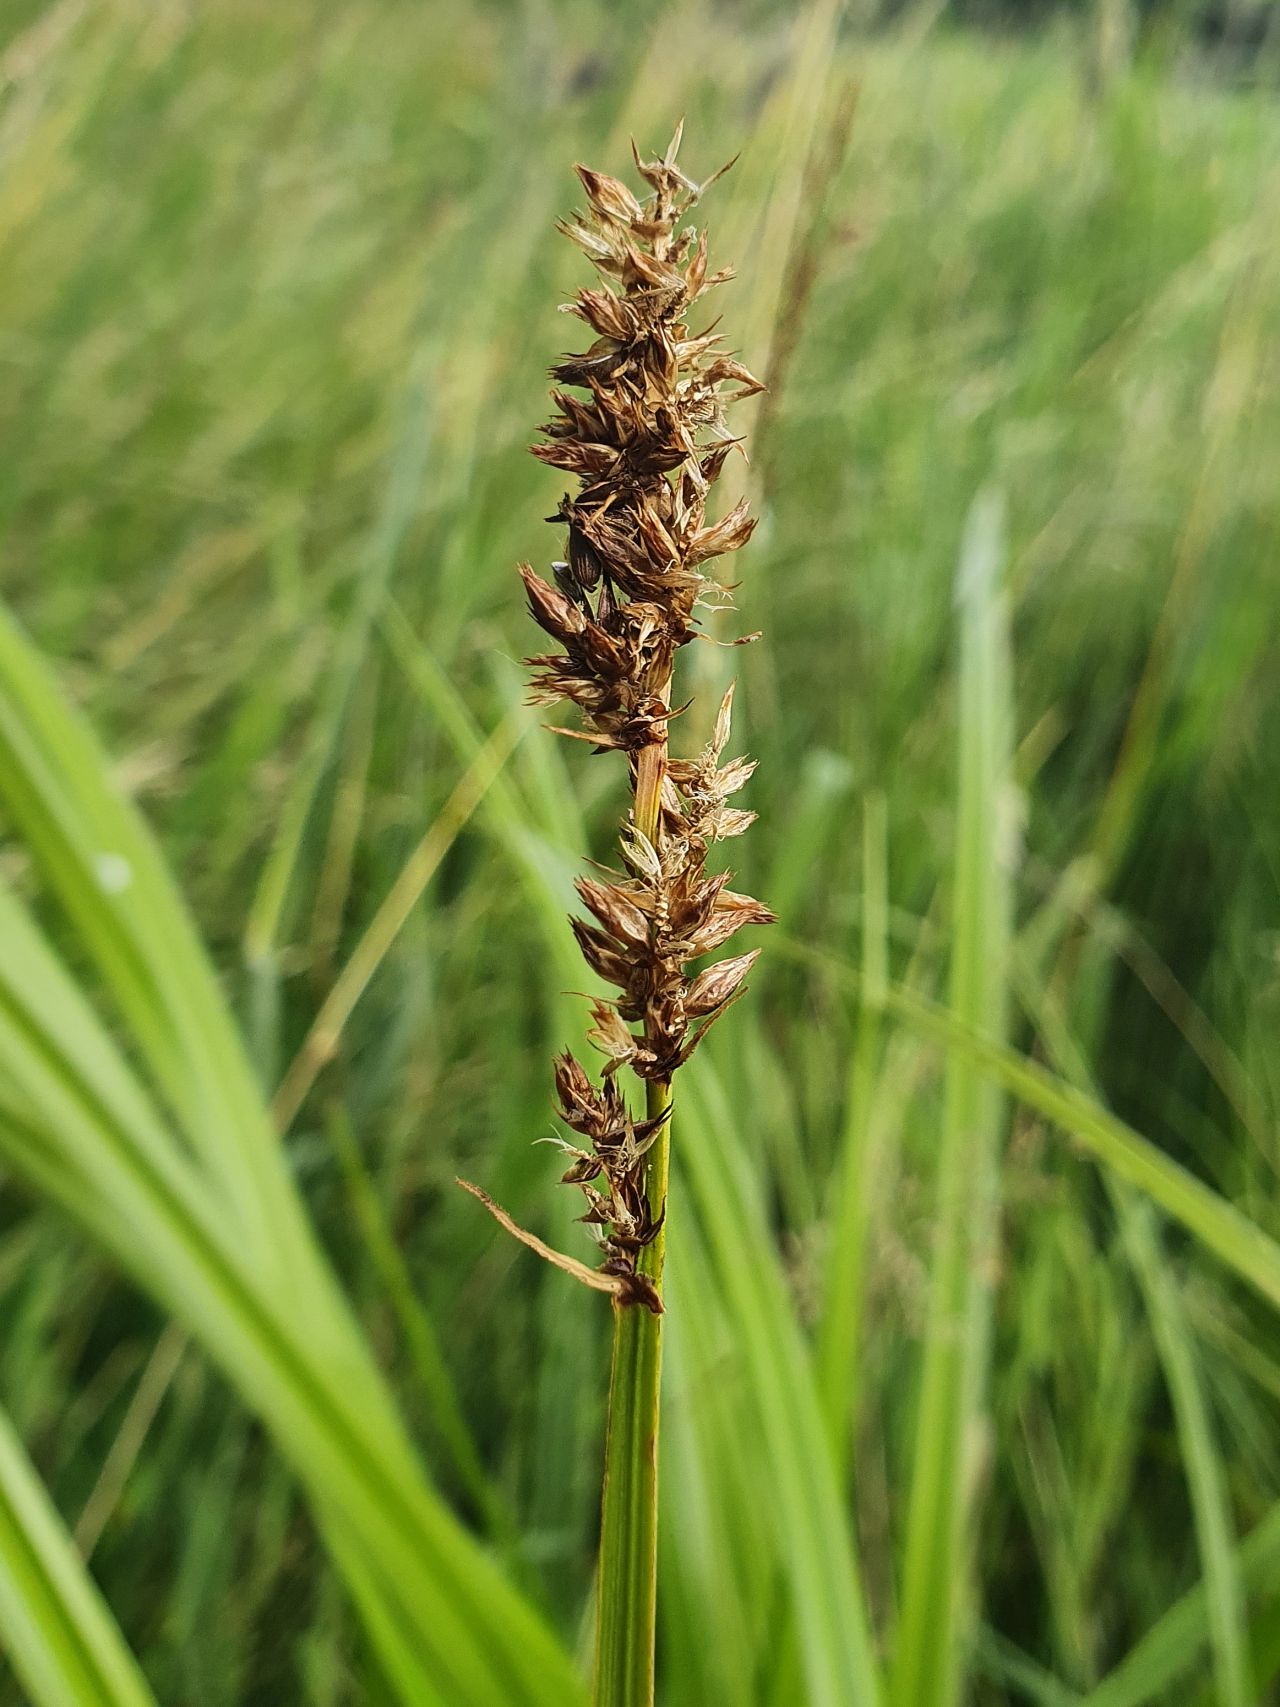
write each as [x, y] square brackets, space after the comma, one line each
[640, 425]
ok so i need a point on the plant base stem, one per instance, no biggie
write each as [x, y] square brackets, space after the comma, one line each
[627, 1594]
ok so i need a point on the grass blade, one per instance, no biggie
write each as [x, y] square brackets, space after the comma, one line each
[63, 1642]
[321, 1041]
[80, 1127]
[1170, 1647]
[860, 1161]
[1243, 1247]
[936, 1579]
[377, 563]
[1206, 1476]
[807, 1505]
[97, 858]
[715, 1544]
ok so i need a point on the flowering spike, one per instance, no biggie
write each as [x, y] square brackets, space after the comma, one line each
[639, 425]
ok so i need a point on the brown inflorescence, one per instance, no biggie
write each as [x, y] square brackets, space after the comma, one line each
[646, 444]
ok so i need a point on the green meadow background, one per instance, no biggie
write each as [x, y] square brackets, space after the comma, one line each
[973, 1364]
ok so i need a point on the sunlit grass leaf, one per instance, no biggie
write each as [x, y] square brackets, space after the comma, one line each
[78, 1125]
[58, 1634]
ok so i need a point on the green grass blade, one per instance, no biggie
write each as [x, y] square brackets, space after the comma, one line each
[1239, 1243]
[98, 859]
[1205, 1472]
[716, 1546]
[1004, 1664]
[1206, 1475]
[937, 1592]
[419, 1333]
[397, 904]
[232, 1256]
[537, 824]
[1177, 1642]
[505, 806]
[806, 1502]
[267, 910]
[1243, 1247]
[60, 1637]
[70, 1123]
[860, 1162]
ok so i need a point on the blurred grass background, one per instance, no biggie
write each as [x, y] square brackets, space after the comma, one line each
[278, 298]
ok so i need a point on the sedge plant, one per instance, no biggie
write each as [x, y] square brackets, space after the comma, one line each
[640, 424]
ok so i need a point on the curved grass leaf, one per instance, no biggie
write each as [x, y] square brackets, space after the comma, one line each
[1240, 1245]
[219, 1237]
[97, 858]
[1243, 1247]
[1177, 1642]
[62, 1641]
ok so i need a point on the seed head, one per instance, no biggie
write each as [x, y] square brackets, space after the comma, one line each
[639, 424]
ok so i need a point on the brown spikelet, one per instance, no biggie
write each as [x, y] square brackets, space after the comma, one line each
[639, 424]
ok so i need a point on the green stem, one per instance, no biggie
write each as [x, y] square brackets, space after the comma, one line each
[627, 1608]
[627, 1604]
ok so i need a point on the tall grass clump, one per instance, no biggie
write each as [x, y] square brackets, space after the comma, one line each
[646, 443]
